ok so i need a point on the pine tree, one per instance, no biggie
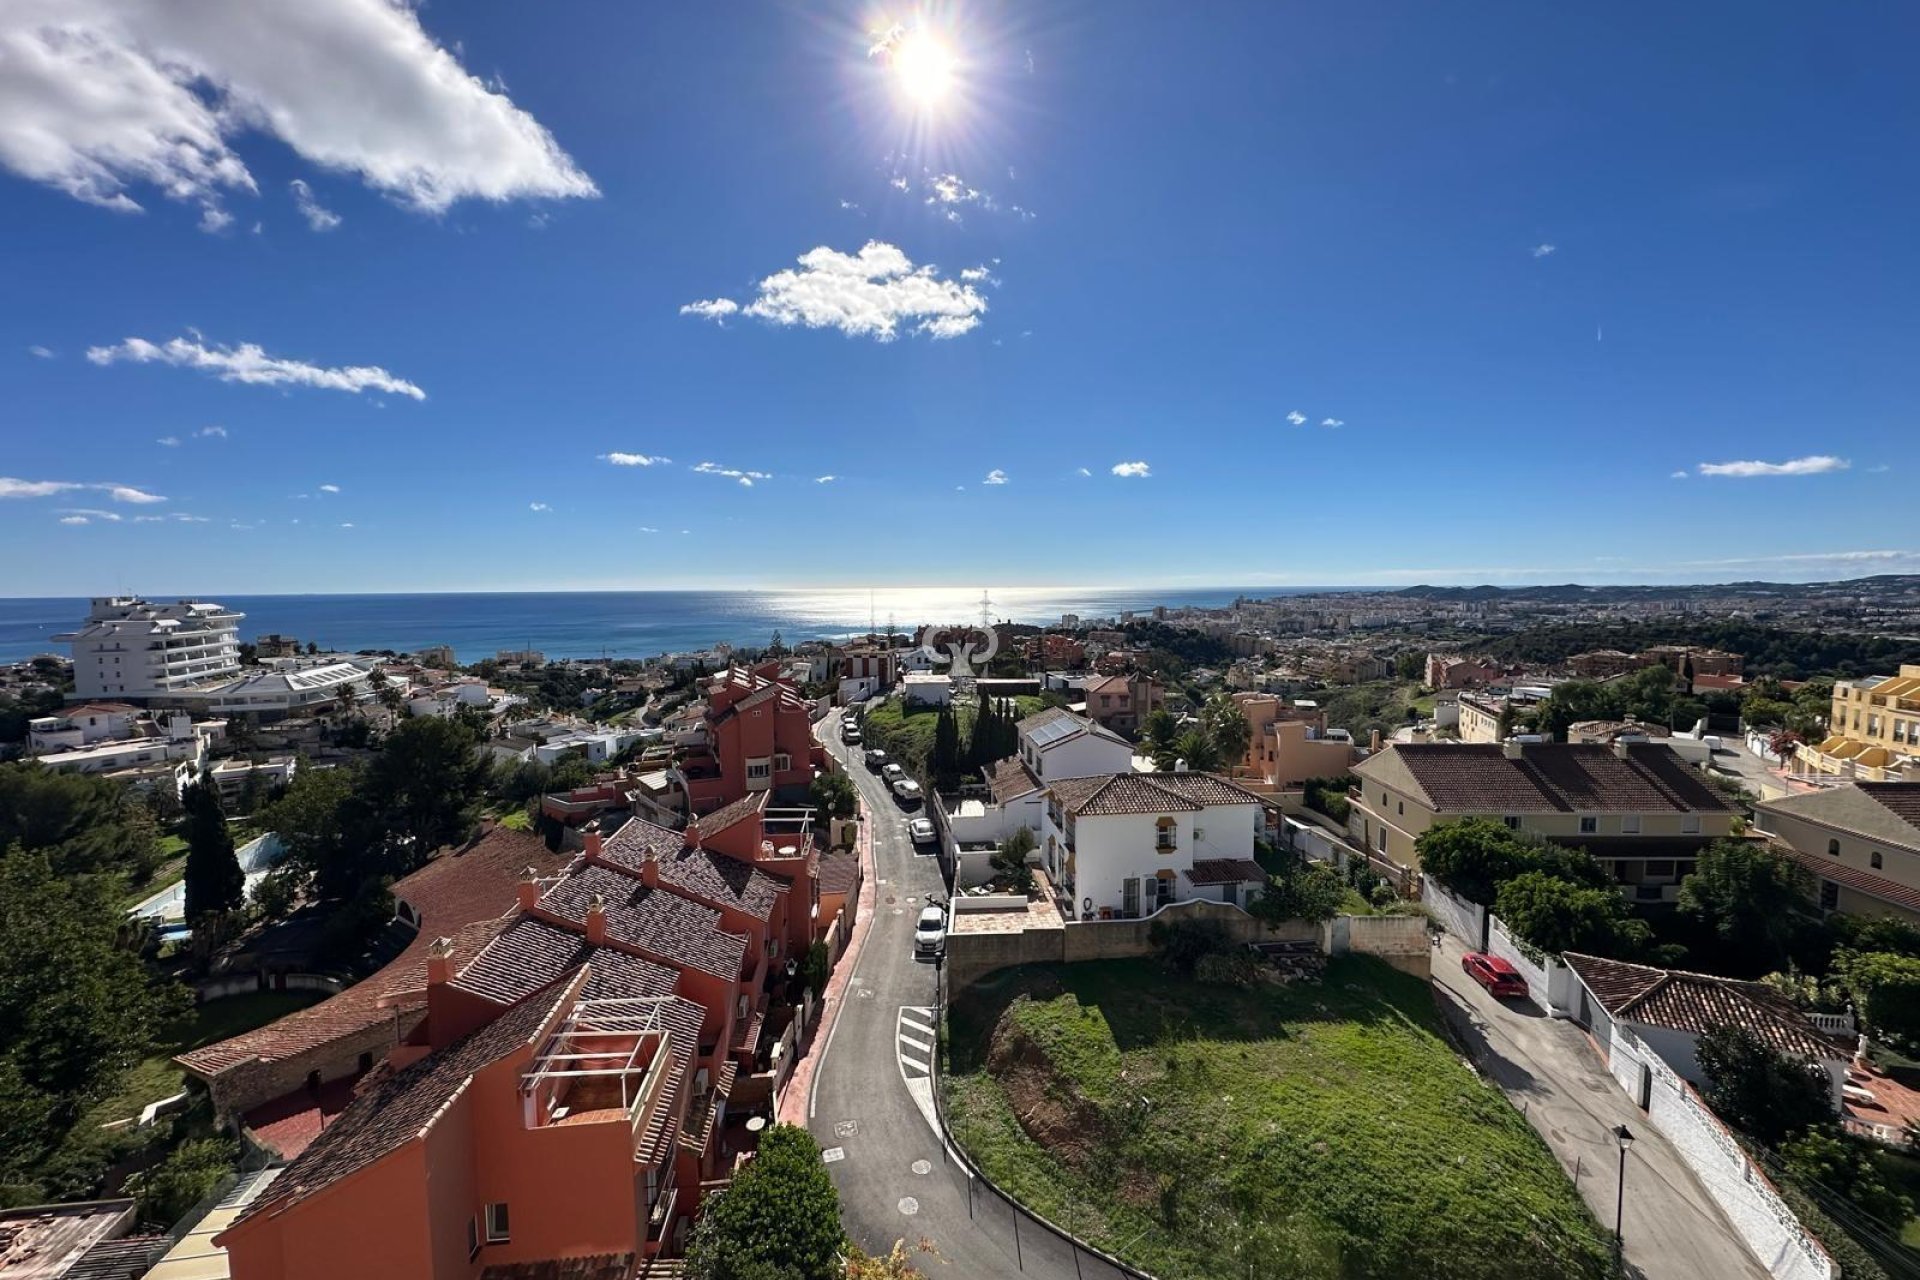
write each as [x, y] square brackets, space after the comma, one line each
[214, 879]
[981, 742]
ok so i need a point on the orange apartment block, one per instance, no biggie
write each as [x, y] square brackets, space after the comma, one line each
[566, 1098]
[1289, 744]
[759, 737]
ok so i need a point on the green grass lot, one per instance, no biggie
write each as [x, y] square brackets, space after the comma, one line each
[155, 1077]
[907, 735]
[1314, 1130]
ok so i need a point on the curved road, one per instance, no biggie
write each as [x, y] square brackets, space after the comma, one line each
[862, 1103]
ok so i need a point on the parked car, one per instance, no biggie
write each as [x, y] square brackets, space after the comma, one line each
[876, 759]
[930, 932]
[921, 831]
[891, 773]
[850, 735]
[1493, 973]
[907, 792]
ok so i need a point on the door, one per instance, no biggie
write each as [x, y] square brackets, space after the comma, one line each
[1644, 1095]
[1130, 897]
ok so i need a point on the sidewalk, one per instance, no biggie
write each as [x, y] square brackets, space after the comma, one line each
[796, 1100]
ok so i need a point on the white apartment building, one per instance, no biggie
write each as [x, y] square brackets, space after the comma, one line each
[131, 648]
[1124, 845]
[187, 654]
[1054, 744]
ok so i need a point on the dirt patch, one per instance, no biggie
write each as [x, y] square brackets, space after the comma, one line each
[1066, 1125]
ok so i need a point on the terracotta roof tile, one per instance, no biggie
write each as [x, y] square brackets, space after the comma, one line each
[658, 922]
[1698, 1002]
[839, 871]
[1116, 793]
[1227, 871]
[1009, 779]
[747, 806]
[710, 876]
[1866, 882]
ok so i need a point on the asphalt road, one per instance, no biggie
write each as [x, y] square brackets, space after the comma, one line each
[1673, 1229]
[863, 1105]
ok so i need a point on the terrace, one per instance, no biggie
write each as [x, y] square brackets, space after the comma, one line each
[608, 1061]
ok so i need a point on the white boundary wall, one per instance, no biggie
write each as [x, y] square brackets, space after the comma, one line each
[1550, 983]
[1457, 916]
[1743, 1193]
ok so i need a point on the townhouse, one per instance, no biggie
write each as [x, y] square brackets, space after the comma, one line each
[1291, 743]
[1859, 844]
[1873, 731]
[756, 734]
[1122, 845]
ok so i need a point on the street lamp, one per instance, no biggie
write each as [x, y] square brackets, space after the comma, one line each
[1623, 1136]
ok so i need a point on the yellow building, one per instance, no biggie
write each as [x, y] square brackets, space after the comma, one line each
[1637, 807]
[1873, 731]
[1860, 845]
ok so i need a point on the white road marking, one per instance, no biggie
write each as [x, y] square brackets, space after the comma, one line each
[923, 1167]
[832, 1154]
[908, 1024]
[924, 1046]
[912, 1061]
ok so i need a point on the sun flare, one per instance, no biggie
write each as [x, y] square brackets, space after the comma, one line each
[923, 66]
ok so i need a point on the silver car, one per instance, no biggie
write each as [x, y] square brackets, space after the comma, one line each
[930, 932]
[920, 831]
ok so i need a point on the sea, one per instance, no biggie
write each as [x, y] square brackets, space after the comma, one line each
[623, 624]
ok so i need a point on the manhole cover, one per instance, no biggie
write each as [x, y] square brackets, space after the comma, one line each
[923, 1167]
[891, 899]
[909, 1206]
[846, 1128]
[831, 1154]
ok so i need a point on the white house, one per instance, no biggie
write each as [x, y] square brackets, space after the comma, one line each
[82, 726]
[1125, 844]
[1667, 1010]
[927, 689]
[1054, 744]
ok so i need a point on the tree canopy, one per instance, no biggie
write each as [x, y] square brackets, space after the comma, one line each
[83, 824]
[1555, 914]
[1887, 987]
[1300, 890]
[1751, 896]
[779, 1219]
[214, 881]
[1475, 856]
[1759, 1090]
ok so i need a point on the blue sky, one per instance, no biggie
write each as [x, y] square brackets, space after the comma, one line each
[1538, 265]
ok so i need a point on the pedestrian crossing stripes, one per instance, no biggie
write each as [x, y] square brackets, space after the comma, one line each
[914, 1040]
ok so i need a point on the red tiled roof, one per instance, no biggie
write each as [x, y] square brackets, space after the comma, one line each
[1901, 799]
[404, 1105]
[1227, 871]
[530, 953]
[727, 815]
[1853, 878]
[1698, 1002]
[1118, 793]
[462, 894]
[710, 876]
[1009, 779]
[1554, 777]
[839, 871]
[657, 922]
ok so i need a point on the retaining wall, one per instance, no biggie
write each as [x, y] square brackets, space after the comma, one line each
[1463, 919]
[1399, 940]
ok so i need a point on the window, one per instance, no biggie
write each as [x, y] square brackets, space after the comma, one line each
[1690, 824]
[1381, 840]
[473, 1237]
[496, 1223]
[1401, 808]
[1513, 823]
[757, 770]
[1833, 848]
[1589, 826]
[1630, 824]
[1874, 860]
[1658, 869]
[782, 762]
[1163, 834]
[1829, 895]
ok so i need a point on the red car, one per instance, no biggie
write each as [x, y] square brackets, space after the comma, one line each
[1493, 973]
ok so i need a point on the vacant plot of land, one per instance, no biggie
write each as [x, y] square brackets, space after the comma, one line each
[1314, 1130]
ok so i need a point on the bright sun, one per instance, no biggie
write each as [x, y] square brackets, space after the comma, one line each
[923, 65]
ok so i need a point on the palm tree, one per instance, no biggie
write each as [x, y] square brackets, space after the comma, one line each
[1198, 750]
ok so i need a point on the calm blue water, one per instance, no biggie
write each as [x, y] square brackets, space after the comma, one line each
[617, 623]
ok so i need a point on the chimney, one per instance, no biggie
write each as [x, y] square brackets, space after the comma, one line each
[1373, 741]
[1513, 748]
[439, 961]
[593, 844]
[693, 833]
[1622, 748]
[597, 920]
[529, 889]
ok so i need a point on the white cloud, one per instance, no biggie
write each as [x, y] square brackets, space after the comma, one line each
[538, 506]
[1085, 472]
[1333, 422]
[89, 513]
[12, 488]
[634, 459]
[248, 363]
[182, 517]
[1297, 418]
[329, 488]
[104, 95]
[347, 524]
[1132, 470]
[212, 433]
[44, 353]
[974, 275]
[850, 206]
[870, 294]
[744, 477]
[1544, 250]
[825, 479]
[647, 528]
[318, 216]
[214, 219]
[899, 183]
[1677, 475]
[74, 520]
[149, 519]
[172, 442]
[995, 476]
[127, 493]
[715, 309]
[1814, 465]
[949, 188]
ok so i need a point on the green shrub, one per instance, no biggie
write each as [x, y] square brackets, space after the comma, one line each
[1183, 944]
[183, 1179]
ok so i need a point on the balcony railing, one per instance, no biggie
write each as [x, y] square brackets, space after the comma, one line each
[608, 1056]
[660, 1219]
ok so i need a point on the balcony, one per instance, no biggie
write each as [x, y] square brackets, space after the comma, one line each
[606, 1063]
[660, 1218]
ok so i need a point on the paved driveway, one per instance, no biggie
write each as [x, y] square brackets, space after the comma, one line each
[1551, 1070]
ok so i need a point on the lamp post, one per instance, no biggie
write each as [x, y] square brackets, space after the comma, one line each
[1623, 1136]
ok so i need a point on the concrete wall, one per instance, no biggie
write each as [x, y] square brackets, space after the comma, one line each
[249, 1084]
[1399, 940]
[1743, 1193]
[1464, 920]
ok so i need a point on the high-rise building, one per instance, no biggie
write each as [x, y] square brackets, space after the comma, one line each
[130, 648]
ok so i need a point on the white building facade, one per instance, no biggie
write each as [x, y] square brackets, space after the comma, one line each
[1124, 845]
[131, 648]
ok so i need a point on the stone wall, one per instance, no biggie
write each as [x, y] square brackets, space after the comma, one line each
[249, 1084]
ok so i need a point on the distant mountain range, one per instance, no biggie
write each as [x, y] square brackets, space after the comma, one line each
[1886, 584]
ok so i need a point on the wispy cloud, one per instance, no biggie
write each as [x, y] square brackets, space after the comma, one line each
[112, 95]
[647, 528]
[1677, 475]
[318, 216]
[346, 524]
[172, 442]
[329, 488]
[825, 479]
[874, 293]
[75, 520]
[1882, 469]
[212, 433]
[1086, 471]
[1333, 422]
[1813, 465]
[538, 506]
[93, 513]
[10, 487]
[995, 476]
[1544, 250]
[634, 459]
[43, 353]
[248, 363]
[1297, 418]
[711, 308]
[127, 493]
[744, 477]
[1132, 470]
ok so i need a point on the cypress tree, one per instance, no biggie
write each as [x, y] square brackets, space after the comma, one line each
[214, 881]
